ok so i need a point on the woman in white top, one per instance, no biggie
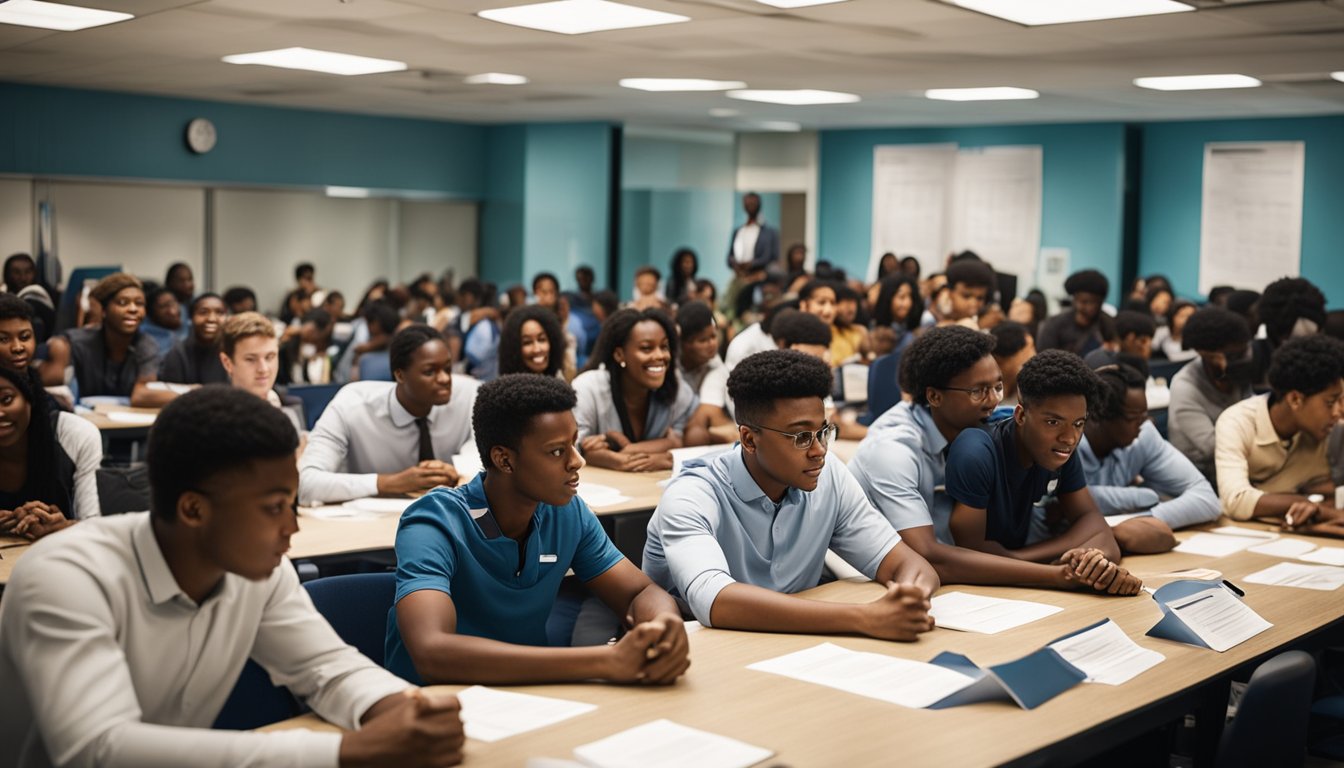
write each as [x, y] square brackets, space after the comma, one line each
[633, 408]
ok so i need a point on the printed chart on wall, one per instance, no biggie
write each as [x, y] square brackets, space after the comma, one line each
[930, 200]
[1251, 221]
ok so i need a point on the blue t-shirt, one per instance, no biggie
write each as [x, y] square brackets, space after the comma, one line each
[445, 543]
[983, 472]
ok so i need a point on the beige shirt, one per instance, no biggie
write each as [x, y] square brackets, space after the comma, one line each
[104, 661]
[1252, 460]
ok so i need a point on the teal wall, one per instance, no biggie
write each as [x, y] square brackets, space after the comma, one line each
[503, 209]
[1081, 202]
[1172, 187]
[567, 205]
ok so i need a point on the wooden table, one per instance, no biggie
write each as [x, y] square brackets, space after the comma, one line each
[11, 549]
[810, 725]
[101, 418]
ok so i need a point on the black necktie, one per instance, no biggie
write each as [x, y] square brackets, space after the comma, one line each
[426, 443]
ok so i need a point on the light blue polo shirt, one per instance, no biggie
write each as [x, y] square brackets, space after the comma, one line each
[715, 526]
[902, 465]
[1166, 472]
[444, 543]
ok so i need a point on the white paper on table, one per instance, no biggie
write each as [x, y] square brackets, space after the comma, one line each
[491, 715]
[886, 678]
[665, 744]
[1283, 548]
[1251, 533]
[164, 386]
[1107, 655]
[131, 417]
[682, 455]
[1114, 520]
[986, 615]
[1327, 555]
[1326, 578]
[379, 506]
[1213, 545]
[600, 495]
[1219, 618]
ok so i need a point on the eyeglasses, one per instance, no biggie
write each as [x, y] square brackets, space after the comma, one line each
[978, 394]
[803, 440]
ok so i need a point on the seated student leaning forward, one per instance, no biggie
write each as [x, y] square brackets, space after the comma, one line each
[734, 535]
[478, 567]
[998, 477]
[122, 637]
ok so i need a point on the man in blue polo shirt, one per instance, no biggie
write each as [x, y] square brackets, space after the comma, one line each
[998, 477]
[734, 535]
[479, 566]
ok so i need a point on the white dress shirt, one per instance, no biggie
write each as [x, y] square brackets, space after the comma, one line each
[744, 242]
[751, 340]
[104, 661]
[365, 431]
[83, 443]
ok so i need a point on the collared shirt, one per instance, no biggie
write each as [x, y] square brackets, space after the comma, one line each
[365, 431]
[98, 376]
[744, 242]
[1194, 409]
[1165, 472]
[596, 409]
[901, 465]
[1253, 460]
[100, 650]
[715, 526]
[448, 541]
[188, 362]
[709, 381]
[751, 340]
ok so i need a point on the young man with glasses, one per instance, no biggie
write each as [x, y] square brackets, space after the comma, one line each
[737, 533]
[1004, 478]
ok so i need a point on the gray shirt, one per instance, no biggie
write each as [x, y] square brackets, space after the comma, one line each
[1190, 499]
[1195, 406]
[596, 409]
[901, 465]
[104, 661]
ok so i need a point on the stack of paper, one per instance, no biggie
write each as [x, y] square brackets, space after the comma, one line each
[665, 744]
[491, 715]
[1326, 578]
[131, 417]
[1205, 614]
[600, 495]
[886, 678]
[1106, 654]
[986, 615]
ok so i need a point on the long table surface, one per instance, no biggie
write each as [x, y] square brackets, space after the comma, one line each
[811, 725]
[101, 417]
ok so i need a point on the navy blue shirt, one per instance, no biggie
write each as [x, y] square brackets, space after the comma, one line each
[983, 472]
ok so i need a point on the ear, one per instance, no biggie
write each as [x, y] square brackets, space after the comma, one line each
[934, 396]
[1294, 399]
[503, 459]
[193, 509]
[226, 362]
[618, 354]
[398, 377]
[1019, 414]
[747, 437]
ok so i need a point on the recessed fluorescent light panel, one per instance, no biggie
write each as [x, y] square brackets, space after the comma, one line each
[495, 78]
[353, 192]
[798, 3]
[724, 112]
[1338, 76]
[782, 126]
[1196, 82]
[65, 18]
[796, 98]
[318, 61]
[1037, 12]
[980, 94]
[679, 84]
[578, 17]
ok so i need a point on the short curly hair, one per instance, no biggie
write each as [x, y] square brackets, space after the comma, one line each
[1009, 338]
[505, 408]
[1087, 281]
[1213, 328]
[1140, 324]
[511, 339]
[694, 317]
[1287, 300]
[1307, 364]
[778, 374]
[794, 327]
[1053, 373]
[971, 273]
[933, 359]
[408, 339]
[1115, 382]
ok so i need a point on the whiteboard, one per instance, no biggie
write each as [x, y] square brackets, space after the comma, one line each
[912, 188]
[1251, 218]
[141, 227]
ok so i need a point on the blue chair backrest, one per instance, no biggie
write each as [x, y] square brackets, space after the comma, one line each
[375, 366]
[74, 288]
[315, 398]
[1271, 723]
[1165, 369]
[884, 390]
[356, 606]
[255, 702]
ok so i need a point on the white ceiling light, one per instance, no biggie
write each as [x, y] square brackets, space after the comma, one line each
[798, 3]
[1034, 12]
[318, 61]
[495, 78]
[980, 94]
[66, 18]
[782, 126]
[577, 17]
[679, 84]
[1196, 82]
[352, 192]
[795, 98]
[724, 112]
[1338, 76]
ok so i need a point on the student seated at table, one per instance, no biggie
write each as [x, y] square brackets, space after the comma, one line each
[18, 345]
[250, 355]
[48, 461]
[114, 358]
[392, 437]
[121, 639]
[632, 407]
[1133, 345]
[970, 283]
[1130, 468]
[533, 341]
[1082, 327]
[736, 534]
[1271, 449]
[195, 359]
[163, 319]
[998, 477]
[699, 365]
[479, 566]
[1205, 387]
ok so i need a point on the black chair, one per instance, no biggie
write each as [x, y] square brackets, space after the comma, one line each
[1270, 728]
[884, 389]
[356, 606]
[255, 702]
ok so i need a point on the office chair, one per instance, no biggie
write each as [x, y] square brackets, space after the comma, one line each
[1270, 727]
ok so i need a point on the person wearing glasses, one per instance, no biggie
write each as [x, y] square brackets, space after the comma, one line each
[737, 533]
[1002, 479]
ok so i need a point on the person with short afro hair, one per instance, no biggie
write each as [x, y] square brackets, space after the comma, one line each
[970, 287]
[737, 533]
[1133, 343]
[1271, 449]
[1085, 326]
[701, 368]
[472, 597]
[1003, 478]
[1205, 387]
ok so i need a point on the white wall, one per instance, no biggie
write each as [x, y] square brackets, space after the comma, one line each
[142, 227]
[782, 162]
[435, 237]
[16, 217]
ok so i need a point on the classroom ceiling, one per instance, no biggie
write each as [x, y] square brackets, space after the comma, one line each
[887, 51]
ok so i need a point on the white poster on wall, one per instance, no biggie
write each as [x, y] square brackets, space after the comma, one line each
[996, 206]
[912, 192]
[1251, 218]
